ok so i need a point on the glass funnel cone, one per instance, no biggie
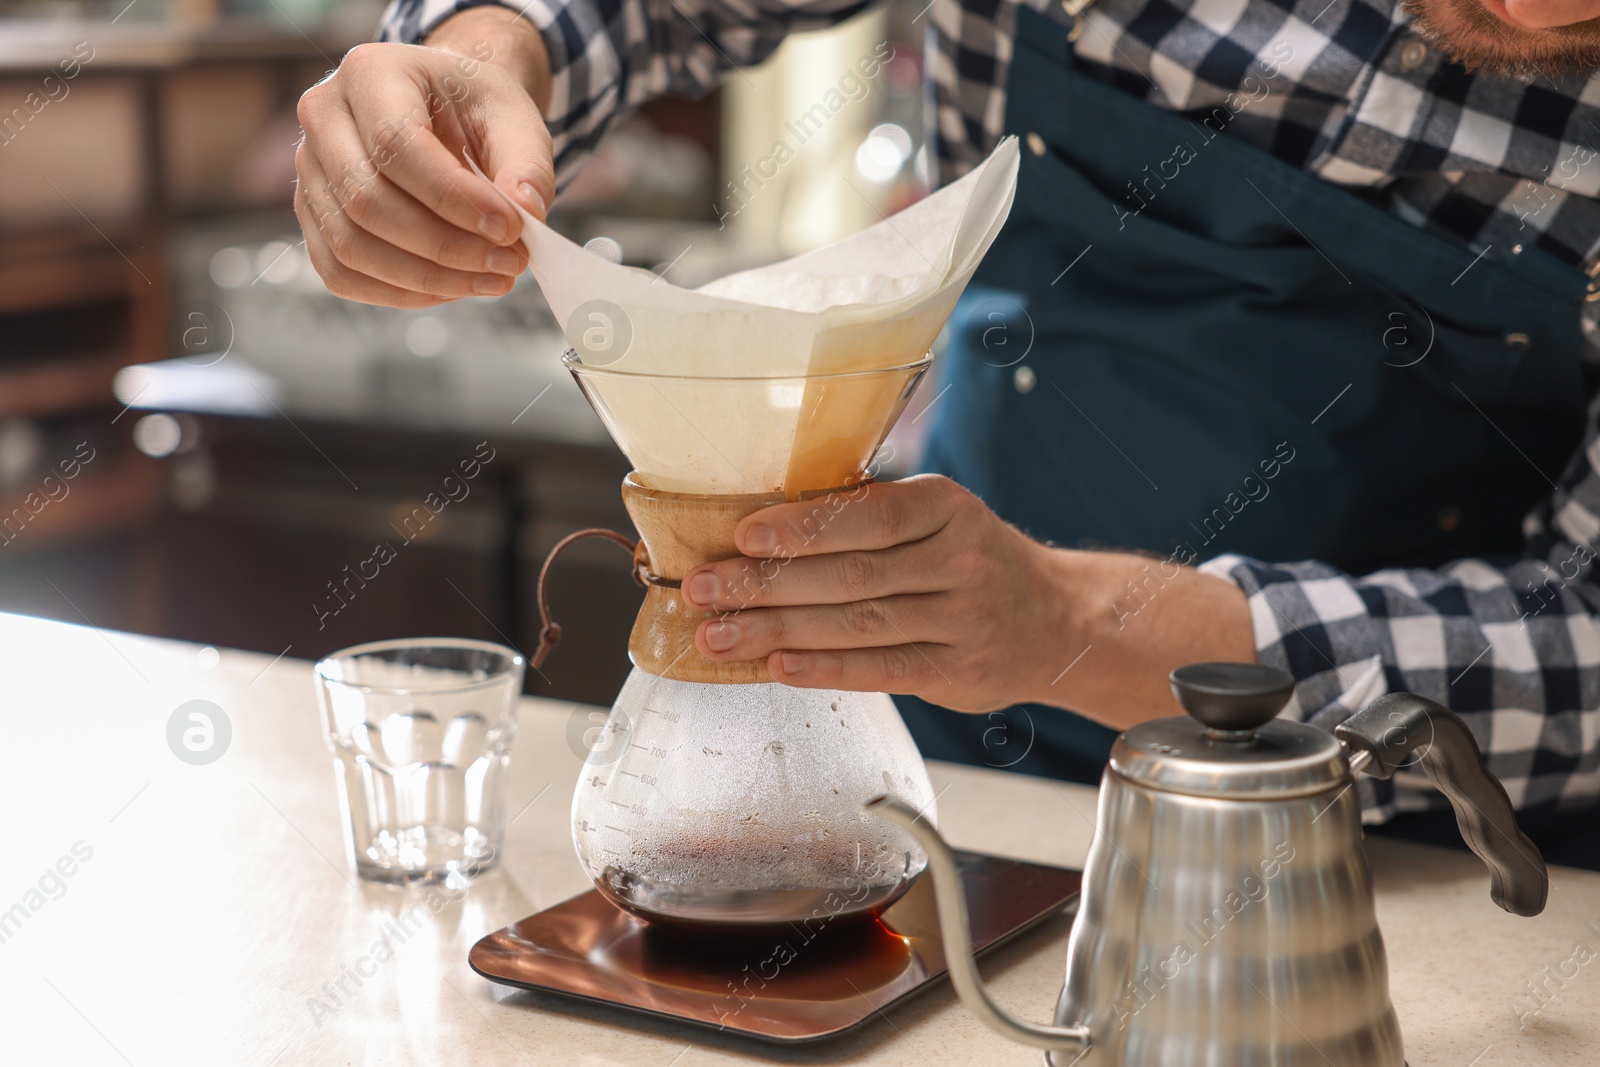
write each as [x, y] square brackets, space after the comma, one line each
[742, 804]
[718, 435]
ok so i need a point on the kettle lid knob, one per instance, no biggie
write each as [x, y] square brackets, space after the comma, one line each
[1232, 700]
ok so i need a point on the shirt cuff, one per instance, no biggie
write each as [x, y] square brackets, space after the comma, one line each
[1291, 607]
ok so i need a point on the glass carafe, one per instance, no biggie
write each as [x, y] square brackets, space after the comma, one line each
[717, 796]
[742, 804]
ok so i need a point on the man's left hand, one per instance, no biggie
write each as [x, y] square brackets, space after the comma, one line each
[912, 586]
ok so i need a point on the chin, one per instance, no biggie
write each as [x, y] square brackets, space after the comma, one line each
[1470, 34]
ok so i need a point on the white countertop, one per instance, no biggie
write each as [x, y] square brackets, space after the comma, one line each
[215, 909]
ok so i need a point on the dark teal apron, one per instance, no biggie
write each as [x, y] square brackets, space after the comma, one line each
[1182, 345]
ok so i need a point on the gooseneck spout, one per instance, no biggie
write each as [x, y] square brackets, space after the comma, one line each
[951, 899]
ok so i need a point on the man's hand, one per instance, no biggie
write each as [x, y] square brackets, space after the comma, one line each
[917, 587]
[391, 213]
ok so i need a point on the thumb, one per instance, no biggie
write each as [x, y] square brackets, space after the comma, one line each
[516, 149]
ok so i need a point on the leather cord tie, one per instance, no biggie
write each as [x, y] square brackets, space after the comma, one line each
[549, 629]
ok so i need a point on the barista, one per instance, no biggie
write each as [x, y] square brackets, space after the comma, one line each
[1286, 280]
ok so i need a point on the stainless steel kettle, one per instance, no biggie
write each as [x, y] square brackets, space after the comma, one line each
[1227, 910]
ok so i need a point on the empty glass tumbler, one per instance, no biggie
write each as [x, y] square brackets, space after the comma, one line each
[421, 732]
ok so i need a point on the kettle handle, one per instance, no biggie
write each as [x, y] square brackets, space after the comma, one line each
[1392, 727]
[951, 900]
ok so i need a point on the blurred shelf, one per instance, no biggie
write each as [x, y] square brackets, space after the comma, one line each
[110, 493]
[28, 44]
[61, 385]
[75, 306]
[61, 267]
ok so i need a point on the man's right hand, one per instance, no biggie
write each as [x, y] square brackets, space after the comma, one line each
[391, 212]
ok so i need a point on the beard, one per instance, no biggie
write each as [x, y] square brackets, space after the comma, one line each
[1476, 38]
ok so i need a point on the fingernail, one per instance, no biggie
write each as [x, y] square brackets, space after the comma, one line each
[494, 226]
[492, 284]
[760, 539]
[504, 261]
[702, 588]
[721, 636]
[536, 202]
[793, 663]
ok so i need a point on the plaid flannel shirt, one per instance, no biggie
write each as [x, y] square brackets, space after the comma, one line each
[1357, 98]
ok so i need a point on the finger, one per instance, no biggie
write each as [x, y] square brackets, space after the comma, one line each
[858, 624]
[405, 149]
[866, 517]
[835, 578]
[515, 147]
[380, 207]
[340, 279]
[897, 669]
[367, 255]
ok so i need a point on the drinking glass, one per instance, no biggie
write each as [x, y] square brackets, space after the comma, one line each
[420, 731]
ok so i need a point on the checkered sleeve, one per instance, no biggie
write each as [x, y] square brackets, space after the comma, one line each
[609, 56]
[1512, 646]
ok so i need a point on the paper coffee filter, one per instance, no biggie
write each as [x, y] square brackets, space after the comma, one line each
[872, 301]
[913, 252]
[909, 259]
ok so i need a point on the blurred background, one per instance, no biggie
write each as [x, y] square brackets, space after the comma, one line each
[198, 441]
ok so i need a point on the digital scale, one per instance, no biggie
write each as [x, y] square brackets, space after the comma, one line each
[790, 983]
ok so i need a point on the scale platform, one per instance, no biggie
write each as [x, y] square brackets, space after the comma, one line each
[791, 984]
